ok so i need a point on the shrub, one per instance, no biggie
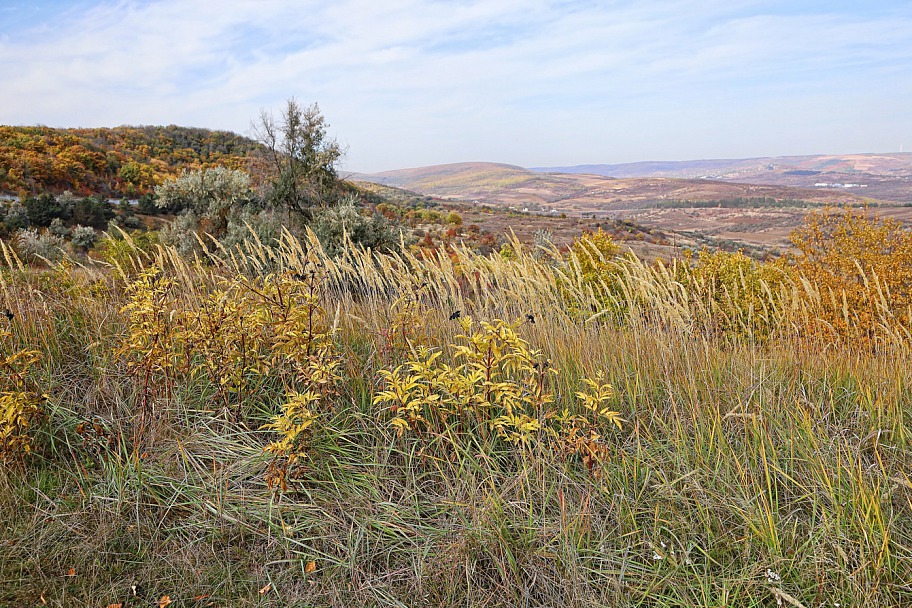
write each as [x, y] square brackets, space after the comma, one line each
[240, 336]
[498, 387]
[20, 401]
[33, 246]
[120, 249]
[738, 295]
[860, 268]
[83, 237]
[591, 268]
[16, 217]
[58, 228]
[336, 226]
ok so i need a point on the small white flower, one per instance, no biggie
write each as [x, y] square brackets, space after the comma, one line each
[772, 577]
[656, 556]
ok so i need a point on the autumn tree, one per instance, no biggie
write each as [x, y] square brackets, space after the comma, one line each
[299, 158]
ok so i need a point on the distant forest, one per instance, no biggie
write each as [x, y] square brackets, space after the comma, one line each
[123, 161]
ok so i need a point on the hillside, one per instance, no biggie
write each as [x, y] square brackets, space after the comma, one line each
[119, 161]
[583, 193]
[754, 214]
[879, 176]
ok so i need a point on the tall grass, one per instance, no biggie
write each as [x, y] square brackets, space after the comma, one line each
[759, 462]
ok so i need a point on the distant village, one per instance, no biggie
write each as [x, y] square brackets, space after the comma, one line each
[826, 185]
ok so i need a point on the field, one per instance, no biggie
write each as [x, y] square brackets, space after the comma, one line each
[274, 427]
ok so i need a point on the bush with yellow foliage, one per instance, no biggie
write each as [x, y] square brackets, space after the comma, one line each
[497, 387]
[20, 401]
[857, 272]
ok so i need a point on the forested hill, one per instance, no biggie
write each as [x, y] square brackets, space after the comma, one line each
[119, 161]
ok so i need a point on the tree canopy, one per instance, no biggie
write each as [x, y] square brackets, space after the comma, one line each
[298, 159]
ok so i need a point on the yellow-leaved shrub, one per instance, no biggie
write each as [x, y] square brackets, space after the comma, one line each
[495, 387]
[857, 270]
[737, 294]
[237, 337]
[20, 400]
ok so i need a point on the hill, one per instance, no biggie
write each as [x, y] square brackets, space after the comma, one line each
[754, 214]
[879, 176]
[120, 161]
[584, 193]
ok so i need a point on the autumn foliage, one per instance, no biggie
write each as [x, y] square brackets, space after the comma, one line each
[119, 161]
[856, 270]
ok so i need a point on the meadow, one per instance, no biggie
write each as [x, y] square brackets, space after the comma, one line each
[271, 426]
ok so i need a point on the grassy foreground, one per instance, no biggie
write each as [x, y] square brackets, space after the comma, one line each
[757, 463]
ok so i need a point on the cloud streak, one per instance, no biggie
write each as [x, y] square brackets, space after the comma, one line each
[411, 82]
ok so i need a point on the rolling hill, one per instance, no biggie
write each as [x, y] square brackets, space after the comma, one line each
[735, 206]
[584, 193]
[878, 176]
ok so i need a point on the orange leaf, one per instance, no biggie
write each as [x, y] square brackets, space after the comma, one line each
[164, 601]
[71, 572]
[310, 567]
[266, 588]
[115, 605]
[202, 596]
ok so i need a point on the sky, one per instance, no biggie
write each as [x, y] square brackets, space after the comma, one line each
[406, 83]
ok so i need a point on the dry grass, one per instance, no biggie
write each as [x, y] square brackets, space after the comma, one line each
[753, 465]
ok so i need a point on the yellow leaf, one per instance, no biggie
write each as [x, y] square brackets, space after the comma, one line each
[266, 589]
[164, 601]
[310, 567]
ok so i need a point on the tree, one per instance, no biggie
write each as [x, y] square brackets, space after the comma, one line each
[93, 212]
[42, 210]
[299, 158]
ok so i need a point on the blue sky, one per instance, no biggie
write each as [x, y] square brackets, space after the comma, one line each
[535, 83]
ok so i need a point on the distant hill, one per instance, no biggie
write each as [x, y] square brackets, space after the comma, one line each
[510, 185]
[879, 176]
[118, 161]
[735, 206]
[458, 180]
